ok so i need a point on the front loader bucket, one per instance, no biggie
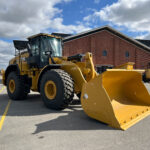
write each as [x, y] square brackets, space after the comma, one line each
[116, 97]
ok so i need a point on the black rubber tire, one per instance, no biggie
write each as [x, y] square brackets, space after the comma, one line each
[79, 95]
[65, 89]
[144, 78]
[21, 89]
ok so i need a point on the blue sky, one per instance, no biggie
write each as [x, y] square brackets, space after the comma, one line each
[73, 12]
[20, 19]
[78, 9]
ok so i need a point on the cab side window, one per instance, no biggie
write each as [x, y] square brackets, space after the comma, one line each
[34, 47]
[44, 47]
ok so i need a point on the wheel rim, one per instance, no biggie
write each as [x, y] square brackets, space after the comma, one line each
[12, 86]
[50, 90]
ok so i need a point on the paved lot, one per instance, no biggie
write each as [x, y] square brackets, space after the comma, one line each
[29, 125]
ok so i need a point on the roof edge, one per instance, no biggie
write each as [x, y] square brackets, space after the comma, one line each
[42, 34]
[110, 29]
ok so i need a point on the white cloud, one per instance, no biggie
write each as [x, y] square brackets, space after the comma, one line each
[132, 14]
[91, 19]
[143, 36]
[23, 18]
[20, 19]
[69, 28]
[6, 53]
[30, 17]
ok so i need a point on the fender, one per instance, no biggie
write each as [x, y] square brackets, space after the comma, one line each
[46, 68]
[10, 68]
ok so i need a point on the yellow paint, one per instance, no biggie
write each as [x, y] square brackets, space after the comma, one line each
[76, 74]
[35, 78]
[118, 98]
[4, 115]
[3, 75]
[43, 34]
[21, 61]
[50, 90]
[126, 70]
[90, 65]
[81, 72]
[2, 89]
[12, 86]
[128, 66]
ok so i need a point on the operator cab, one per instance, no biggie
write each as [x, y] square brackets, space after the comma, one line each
[41, 47]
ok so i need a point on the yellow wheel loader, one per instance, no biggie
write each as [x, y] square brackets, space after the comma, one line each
[116, 97]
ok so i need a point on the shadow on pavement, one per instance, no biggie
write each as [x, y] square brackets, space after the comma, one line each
[75, 120]
[72, 118]
[31, 106]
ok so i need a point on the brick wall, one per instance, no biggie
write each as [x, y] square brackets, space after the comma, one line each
[115, 47]
[120, 48]
[77, 46]
[142, 58]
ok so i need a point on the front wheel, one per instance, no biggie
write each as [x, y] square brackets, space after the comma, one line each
[79, 95]
[57, 89]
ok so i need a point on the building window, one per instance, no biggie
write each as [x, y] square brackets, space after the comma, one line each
[127, 54]
[104, 53]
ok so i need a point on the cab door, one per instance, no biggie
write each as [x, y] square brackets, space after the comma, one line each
[44, 59]
[34, 59]
[37, 53]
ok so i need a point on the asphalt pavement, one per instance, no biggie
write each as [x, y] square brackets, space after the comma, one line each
[29, 125]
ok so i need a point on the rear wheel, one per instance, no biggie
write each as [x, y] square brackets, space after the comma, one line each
[57, 89]
[16, 87]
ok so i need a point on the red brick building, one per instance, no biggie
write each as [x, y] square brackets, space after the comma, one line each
[108, 46]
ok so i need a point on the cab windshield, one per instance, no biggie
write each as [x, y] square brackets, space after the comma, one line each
[52, 44]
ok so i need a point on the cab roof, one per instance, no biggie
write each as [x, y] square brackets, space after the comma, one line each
[43, 34]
